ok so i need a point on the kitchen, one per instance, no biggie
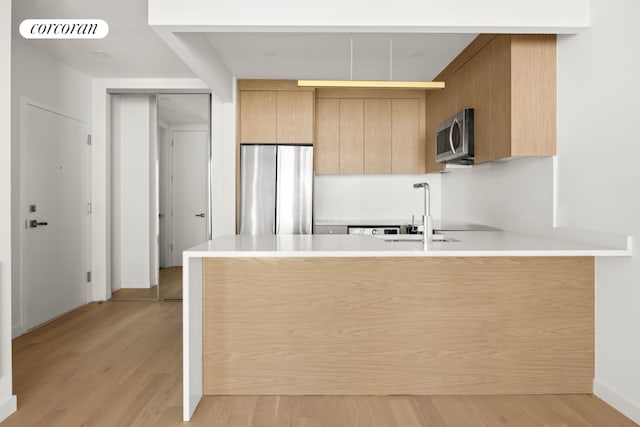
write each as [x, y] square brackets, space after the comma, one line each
[228, 349]
[532, 196]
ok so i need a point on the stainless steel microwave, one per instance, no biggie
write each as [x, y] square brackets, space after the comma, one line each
[454, 139]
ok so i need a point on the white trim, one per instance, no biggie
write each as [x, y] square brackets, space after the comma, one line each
[192, 345]
[8, 407]
[623, 404]
[24, 103]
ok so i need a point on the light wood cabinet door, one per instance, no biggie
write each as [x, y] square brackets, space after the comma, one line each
[327, 147]
[351, 136]
[434, 114]
[408, 144]
[295, 117]
[258, 117]
[377, 136]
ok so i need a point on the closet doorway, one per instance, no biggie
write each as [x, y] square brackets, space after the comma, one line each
[176, 212]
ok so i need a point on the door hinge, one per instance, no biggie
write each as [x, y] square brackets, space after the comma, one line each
[88, 139]
[89, 207]
[88, 276]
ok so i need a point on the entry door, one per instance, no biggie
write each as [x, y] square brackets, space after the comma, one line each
[189, 193]
[54, 204]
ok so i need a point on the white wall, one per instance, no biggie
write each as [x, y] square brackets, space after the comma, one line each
[598, 152]
[514, 195]
[46, 81]
[7, 399]
[382, 197]
[597, 183]
[131, 125]
[363, 15]
[223, 165]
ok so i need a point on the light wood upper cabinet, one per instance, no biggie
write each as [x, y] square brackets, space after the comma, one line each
[510, 82]
[258, 116]
[275, 111]
[294, 111]
[373, 131]
[327, 147]
[408, 143]
[351, 123]
[377, 136]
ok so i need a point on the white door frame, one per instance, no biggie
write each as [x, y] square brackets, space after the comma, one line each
[24, 104]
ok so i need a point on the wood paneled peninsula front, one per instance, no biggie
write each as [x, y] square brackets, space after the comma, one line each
[487, 312]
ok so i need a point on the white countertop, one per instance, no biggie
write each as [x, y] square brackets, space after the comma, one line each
[468, 243]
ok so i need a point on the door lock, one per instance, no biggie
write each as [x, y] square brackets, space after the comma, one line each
[34, 223]
[201, 215]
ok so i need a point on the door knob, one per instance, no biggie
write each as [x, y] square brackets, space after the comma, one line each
[34, 223]
[201, 215]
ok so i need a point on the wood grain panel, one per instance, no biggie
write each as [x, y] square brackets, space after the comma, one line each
[377, 136]
[482, 99]
[408, 139]
[499, 57]
[327, 147]
[465, 56]
[351, 136]
[257, 116]
[433, 114]
[533, 95]
[295, 117]
[398, 325]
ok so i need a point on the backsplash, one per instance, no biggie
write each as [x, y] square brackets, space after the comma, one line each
[514, 195]
[373, 196]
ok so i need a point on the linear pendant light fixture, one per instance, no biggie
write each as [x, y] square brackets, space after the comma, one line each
[387, 84]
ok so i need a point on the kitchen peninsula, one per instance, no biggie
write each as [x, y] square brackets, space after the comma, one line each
[487, 312]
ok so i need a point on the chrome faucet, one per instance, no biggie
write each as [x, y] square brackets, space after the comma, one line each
[427, 227]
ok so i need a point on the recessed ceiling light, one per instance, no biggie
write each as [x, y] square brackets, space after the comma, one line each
[100, 53]
[416, 54]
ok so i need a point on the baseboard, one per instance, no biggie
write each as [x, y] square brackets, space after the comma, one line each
[8, 407]
[135, 284]
[623, 404]
[16, 331]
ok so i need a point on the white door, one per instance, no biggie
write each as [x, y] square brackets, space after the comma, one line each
[54, 206]
[189, 193]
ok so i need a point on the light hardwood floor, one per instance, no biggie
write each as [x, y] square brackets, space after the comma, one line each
[119, 364]
[170, 287]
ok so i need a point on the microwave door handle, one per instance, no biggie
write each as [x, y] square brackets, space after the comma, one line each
[453, 123]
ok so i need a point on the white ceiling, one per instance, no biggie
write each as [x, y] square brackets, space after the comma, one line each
[135, 51]
[133, 47]
[184, 109]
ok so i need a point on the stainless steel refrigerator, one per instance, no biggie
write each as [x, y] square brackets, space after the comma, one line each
[276, 189]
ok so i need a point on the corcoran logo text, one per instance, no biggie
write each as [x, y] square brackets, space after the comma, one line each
[64, 29]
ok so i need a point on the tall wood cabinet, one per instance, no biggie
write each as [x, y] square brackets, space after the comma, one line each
[510, 81]
[370, 131]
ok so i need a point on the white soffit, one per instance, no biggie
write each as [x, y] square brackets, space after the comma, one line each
[328, 55]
